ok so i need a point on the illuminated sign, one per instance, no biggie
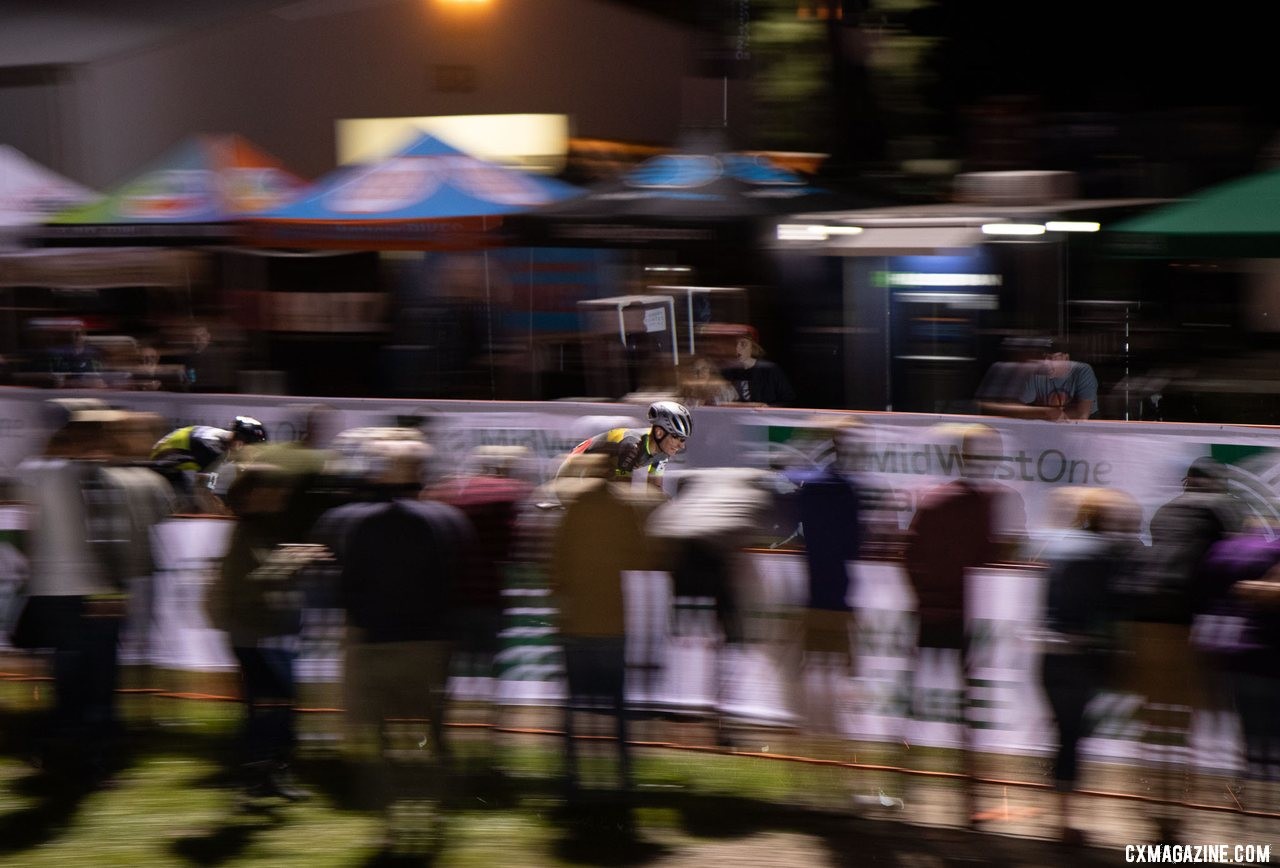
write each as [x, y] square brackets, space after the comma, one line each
[532, 142]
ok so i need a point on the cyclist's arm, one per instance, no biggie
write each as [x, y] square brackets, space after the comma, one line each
[629, 456]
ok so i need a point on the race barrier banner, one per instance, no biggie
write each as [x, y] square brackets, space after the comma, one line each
[905, 451]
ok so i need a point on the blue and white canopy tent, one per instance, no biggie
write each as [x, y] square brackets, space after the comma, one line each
[460, 298]
[426, 196]
[703, 195]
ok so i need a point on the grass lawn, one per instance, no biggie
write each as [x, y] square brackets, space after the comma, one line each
[174, 802]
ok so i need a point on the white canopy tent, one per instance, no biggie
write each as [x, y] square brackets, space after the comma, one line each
[29, 193]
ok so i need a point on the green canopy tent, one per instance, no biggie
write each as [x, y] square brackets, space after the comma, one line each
[1239, 219]
[1213, 320]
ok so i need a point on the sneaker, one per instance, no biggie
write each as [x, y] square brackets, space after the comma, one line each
[279, 783]
[1073, 837]
[274, 783]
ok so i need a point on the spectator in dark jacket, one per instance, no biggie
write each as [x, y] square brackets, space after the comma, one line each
[828, 502]
[257, 600]
[401, 560]
[1080, 637]
[490, 494]
[756, 380]
[828, 509]
[1168, 591]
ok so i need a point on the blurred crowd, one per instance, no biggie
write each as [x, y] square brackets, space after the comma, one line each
[67, 353]
[427, 553]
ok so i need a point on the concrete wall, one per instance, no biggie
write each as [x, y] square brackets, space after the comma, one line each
[34, 108]
[282, 78]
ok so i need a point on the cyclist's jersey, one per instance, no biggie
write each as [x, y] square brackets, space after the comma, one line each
[630, 448]
[195, 448]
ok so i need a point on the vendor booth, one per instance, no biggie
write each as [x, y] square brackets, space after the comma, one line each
[191, 196]
[914, 302]
[445, 308]
[692, 225]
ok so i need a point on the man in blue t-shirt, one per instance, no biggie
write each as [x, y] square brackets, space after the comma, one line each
[1056, 389]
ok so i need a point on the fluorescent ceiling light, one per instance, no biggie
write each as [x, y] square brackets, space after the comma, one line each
[801, 232]
[1072, 226]
[1013, 229]
[909, 278]
[813, 231]
[957, 300]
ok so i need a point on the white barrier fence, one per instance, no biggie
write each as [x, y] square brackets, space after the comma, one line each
[677, 670]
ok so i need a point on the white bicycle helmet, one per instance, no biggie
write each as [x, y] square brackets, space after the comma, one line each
[671, 417]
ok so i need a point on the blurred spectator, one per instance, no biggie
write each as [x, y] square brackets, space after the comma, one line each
[401, 560]
[77, 356]
[259, 598]
[955, 529]
[115, 355]
[828, 501]
[79, 535]
[1057, 388]
[1005, 381]
[703, 385]
[1169, 590]
[1239, 632]
[148, 373]
[1080, 638]
[537, 520]
[755, 379]
[257, 601]
[303, 463]
[715, 514]
[489, 494]
[207, 354]
[145, 375]
[77, 364]
[600, 537]
[148, 500]
[194, 359]
[1183, 530]
[828, 507]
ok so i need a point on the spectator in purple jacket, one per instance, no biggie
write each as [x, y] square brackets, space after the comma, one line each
[1239, 632]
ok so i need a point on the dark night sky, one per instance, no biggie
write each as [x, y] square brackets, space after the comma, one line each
[1109, 55]
[1126, 54]
[1087, 54]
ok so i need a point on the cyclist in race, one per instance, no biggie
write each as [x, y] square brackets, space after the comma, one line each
[184, 453]
[670, 425]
